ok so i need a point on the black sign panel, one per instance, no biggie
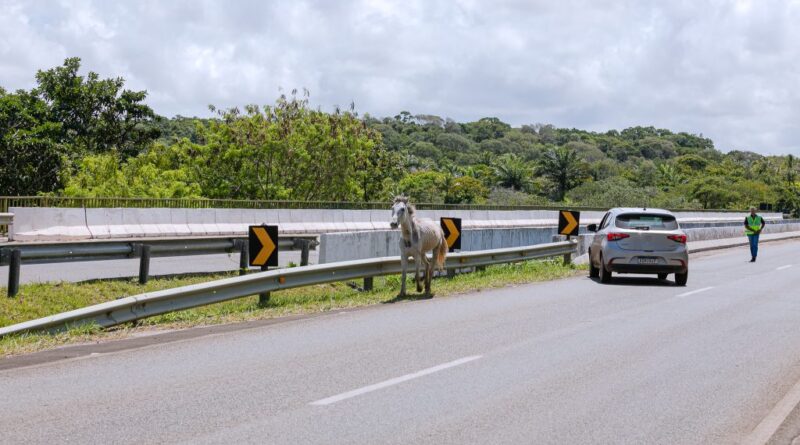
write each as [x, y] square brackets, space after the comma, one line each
[452, 232]
[263, 246]
[569, 222]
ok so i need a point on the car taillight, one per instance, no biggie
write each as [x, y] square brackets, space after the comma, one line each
[616, 236]
[678, 238]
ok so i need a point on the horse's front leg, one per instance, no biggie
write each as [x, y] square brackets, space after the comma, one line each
[428, 276]
[403, 266]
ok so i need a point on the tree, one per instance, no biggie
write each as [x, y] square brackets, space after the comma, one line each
[96, 115]
[454, 143]
[713, 192]
[466, 190]
[487, 128]
[791, 169]
[31, 156]
[692, 162]
[288, 151]
[513, 173]
[564, 168]
[788, 200]
[657, 148]
[669, 176]
[375, 169]
[510, 197]
[424, 186]
[158, 172]
[612, 192]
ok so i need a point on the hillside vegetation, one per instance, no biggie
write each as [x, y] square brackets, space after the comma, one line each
[77, 135]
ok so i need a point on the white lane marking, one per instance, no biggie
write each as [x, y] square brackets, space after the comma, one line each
[769, 426]
[686, 294]
[784, 267]
[394, 381]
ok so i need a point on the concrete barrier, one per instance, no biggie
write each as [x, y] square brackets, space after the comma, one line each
[55, 224]
[180, 222]
[371, 244]
[45, 224]
[378, 243]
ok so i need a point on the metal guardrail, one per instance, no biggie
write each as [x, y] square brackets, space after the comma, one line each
[156, 303]
[57, 252]
[16, 254]
[7, 202]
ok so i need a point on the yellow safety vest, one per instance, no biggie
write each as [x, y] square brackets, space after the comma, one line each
[753, 224]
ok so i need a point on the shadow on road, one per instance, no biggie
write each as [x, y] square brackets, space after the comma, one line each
[636, 281]
[409, 297]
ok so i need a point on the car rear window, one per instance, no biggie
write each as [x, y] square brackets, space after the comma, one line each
[646, 221]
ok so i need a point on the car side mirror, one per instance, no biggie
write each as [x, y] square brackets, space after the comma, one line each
[592, 227]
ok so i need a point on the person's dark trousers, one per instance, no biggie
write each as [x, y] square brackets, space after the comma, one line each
[753, 245]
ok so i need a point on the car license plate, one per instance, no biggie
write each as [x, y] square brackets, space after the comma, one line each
[648, 260]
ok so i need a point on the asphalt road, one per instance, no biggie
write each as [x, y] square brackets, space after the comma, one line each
[570, 361]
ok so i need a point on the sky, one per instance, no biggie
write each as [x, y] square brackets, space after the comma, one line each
[726, 69]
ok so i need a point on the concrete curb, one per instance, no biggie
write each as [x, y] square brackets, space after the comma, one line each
[788, 236]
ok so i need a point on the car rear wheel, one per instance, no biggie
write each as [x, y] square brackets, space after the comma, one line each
[662, 276]
[593, 271]
[680, 278]
[605, 274]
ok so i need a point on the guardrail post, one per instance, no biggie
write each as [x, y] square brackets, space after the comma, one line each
[144, 263]
[263, 298]
[244, 257]
[13, 272]
[567, 256]
[369, 283]
[305, 245]
[451, 273]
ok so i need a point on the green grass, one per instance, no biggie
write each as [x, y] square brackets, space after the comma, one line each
[39, 300]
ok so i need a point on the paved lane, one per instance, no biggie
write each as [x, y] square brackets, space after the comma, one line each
[570, 361]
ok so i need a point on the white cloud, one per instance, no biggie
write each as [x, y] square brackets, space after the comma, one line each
[727, 69]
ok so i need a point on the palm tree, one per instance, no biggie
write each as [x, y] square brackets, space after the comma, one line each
[669, 176]
[564, 167]
[513, 173]
[791, 169]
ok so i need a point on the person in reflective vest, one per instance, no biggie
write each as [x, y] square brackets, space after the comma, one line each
[753, 225]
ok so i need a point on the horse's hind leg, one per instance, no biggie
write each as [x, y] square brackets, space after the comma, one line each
[428, 277]
[416, 274]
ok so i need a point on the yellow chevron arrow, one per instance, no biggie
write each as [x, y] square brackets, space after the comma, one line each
[452, 230]
[571, 222]
[267, 246]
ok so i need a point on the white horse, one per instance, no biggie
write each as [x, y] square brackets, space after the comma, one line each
[418, 236]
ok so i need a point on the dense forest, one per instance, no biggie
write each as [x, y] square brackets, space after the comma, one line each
[77, 135]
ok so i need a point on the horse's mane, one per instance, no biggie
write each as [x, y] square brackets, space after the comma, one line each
[404, 200]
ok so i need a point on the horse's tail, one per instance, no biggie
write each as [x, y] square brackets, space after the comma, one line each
[441, 253]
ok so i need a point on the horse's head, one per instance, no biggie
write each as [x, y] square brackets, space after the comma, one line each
[401, 211]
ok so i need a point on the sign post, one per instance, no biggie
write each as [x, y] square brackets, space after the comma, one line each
[263, 249]
[569, 225]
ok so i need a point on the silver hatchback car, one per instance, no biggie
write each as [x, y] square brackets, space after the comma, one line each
[641, 241]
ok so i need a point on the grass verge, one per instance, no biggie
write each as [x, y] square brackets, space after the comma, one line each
[40, 300]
